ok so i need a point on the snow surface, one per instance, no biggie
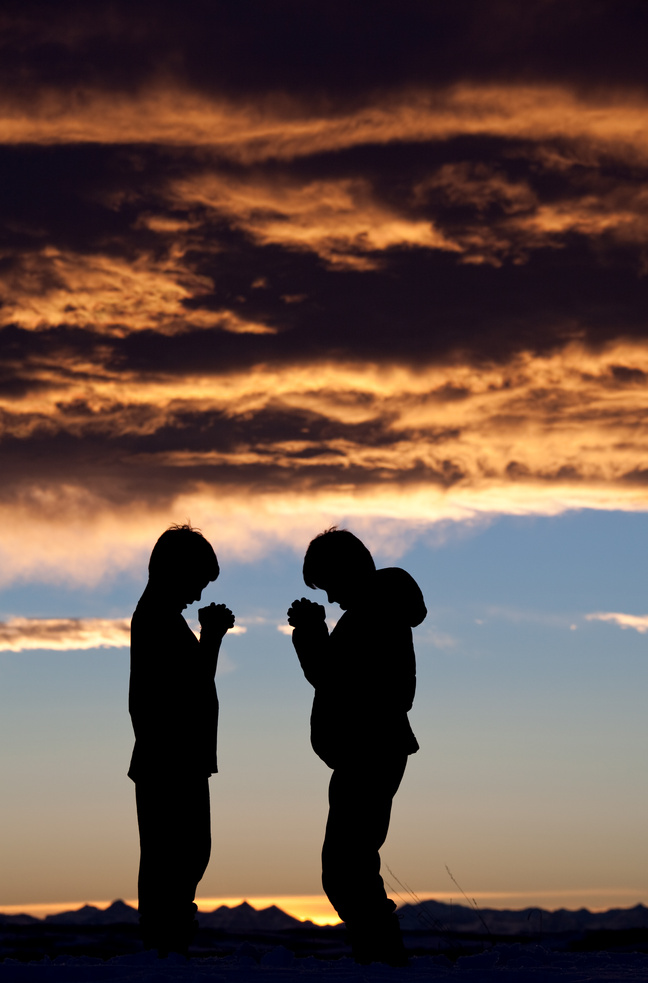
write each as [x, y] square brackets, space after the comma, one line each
[504, 963]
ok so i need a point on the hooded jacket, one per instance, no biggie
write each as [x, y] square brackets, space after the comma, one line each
[364, 672]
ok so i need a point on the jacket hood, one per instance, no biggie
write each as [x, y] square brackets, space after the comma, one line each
[396, 588]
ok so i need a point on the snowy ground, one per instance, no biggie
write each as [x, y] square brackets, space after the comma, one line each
[505, 964]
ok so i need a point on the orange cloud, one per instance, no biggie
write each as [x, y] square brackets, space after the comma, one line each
[111, 295]
[473, 210]
[102, 540]
[574, 412]
[282, 127]
[339, 220]
[62, 634]
[392, 450]
[617, 209]
[70, 634]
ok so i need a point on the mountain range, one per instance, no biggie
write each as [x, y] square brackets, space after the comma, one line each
[239, 919]
[426, 915]
[436, 916]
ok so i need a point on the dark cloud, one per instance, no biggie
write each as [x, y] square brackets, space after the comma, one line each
[321, 49]
[532, 287]
[623, 374]
[255, 247]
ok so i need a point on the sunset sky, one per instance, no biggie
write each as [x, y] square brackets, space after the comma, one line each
[270, 266]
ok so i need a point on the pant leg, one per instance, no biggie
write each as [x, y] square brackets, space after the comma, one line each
[360, 801]
[175, 844]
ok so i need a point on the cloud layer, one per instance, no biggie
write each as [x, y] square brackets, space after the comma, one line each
[63, 634]
[637, 621]
[275, 276]
[69, 634]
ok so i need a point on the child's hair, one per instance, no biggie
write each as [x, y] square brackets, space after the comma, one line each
[183, 546]
[331, 552]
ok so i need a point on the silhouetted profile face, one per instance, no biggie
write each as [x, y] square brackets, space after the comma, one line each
[191, 588]
[180, 588]
[342, 590]
[339, 563]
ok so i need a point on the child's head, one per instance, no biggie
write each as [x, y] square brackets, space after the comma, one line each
[183, 562]
[339, 563]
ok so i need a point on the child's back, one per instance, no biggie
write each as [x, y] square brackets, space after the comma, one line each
[368, 677]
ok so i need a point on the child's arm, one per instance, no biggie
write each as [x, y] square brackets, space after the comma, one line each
[215, 620]
[309, 637]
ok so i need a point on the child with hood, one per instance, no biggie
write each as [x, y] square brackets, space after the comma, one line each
[364, 675]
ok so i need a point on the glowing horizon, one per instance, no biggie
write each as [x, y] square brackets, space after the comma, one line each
[317, 908]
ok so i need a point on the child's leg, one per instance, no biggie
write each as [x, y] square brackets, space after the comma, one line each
[175, 843]
[360, 798]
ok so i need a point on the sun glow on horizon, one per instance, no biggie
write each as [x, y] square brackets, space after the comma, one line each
[316, 907]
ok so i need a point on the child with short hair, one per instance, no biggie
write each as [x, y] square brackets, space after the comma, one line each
[174, 711]
[364, 675]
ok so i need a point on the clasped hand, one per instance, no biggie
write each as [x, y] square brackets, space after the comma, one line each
[304, 613]
[216, 618]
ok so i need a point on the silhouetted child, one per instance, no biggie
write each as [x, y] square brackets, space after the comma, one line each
[174, 710]
[364, 674]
